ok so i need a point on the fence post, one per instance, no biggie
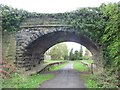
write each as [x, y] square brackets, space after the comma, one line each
[92, 68]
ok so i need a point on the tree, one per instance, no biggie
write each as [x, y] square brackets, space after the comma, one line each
[71, 54]
[76, 55]
[58, 51]
[80, 52]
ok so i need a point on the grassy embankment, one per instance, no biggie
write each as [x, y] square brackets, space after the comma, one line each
[56, 67]
[34, 81]
[98, 79]
[88, 78]
[19, 81]
[52, 61]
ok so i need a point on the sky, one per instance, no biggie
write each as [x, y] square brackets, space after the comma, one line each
[55, 6]
[75, 46]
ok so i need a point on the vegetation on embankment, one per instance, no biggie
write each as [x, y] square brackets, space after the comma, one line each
[89, 83]
[104, 80]
[58, 67]
[52, 61]
[89, 80]
[88, 61]
[100, 24]
[96, 80]
[59, 64]
[19, 81]
[79, 66]
[22, 81]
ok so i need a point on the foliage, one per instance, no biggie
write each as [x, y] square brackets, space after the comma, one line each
[7, 70]
[101, 25]
[106, 80]
[77, 55]
[89, 80]
[58, 51]
[88, 61]
[11, 18]
[80, 52]
[87, 21]
[52, 61]
[110, 39]
[71, 55]
[102, 80]
[58, 67]
[19, 81]
[79, 66]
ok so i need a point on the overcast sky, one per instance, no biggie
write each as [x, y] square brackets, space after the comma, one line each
[54, 6]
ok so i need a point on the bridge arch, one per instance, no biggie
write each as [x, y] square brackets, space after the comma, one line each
[33, 42]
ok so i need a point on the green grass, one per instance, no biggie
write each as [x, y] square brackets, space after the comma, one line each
[102, 81]
[58, 67]
[34, 81]
[79, 66]
[88, 61]
[89, 80]
[52, 61]
[19, 81]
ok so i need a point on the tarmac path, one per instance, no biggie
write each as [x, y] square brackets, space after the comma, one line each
[67, 77]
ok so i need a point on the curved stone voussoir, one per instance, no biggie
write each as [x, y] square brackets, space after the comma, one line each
[34, 40]
[42, 33]
[38, 34]
[21, 47]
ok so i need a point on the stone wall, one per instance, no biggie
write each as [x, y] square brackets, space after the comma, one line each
[8, 47]
[33, 40]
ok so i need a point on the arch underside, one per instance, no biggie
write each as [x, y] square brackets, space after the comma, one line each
[33, 53]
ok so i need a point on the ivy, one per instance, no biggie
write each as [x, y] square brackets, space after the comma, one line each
[101, 25]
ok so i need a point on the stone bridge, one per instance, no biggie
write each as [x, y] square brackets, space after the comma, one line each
[38, 34]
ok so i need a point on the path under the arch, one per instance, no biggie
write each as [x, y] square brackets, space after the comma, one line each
[67, 77]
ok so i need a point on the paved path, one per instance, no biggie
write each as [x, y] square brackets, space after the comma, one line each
[65, 78]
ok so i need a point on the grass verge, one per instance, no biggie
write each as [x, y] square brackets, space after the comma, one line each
[101, 80]
[58, 67]
[79, 66]
[88, 61]
[88, 78]
[18, 81]
[52, 61]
